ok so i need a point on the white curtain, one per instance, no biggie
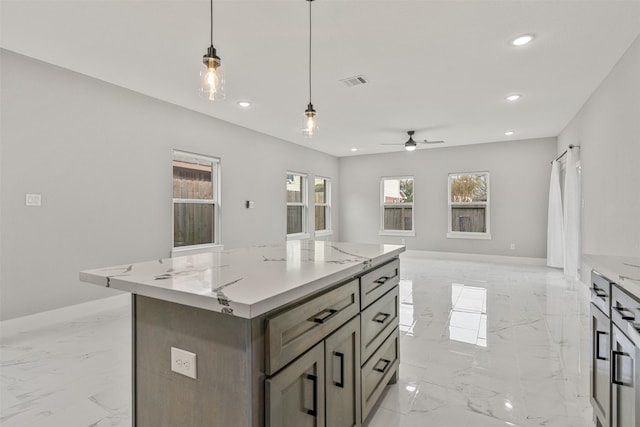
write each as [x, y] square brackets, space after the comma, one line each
[572, 216]
[555, 222]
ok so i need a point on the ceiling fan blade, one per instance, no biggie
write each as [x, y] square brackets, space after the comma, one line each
[402, 143]
[431, 142]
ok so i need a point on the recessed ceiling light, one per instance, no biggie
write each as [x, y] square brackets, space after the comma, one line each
[509, 132]
[354, 149]
[522, 40]
[244, 104]
[513, 97]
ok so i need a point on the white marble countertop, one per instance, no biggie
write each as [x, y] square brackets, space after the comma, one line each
[245, 282]
[624, 271]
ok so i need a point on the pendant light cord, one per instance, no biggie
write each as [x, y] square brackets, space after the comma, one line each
[309, 50]
[211, 3]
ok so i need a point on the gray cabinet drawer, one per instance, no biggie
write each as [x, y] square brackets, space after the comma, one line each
[377, 372]
[625, 309]
[378, 282]
[291, 332]
[600, 292]
[377, 322]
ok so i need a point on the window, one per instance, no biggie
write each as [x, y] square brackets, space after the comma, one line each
[469, 205]
[296, 204]
[397, 206]
[196, 200]
[322, 188]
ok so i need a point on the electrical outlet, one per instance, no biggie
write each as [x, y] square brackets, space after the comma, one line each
[183, 362]
[512, 247]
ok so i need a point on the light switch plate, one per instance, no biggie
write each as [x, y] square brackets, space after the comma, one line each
[33, 200]
[183, 362]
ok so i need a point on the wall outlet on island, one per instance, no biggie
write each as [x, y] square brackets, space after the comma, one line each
[402, 240]
[512, 246]
[183, 362]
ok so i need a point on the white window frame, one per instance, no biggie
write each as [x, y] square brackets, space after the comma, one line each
[215, 201]
[450, 205]
[384, 232]
[327, 231]
[304, 178]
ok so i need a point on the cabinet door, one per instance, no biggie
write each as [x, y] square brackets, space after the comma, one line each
[600, 353]
[342, 359]
[625, 402]
[295, 395]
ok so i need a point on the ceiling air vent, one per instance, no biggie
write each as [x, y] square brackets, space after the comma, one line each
[354, 81]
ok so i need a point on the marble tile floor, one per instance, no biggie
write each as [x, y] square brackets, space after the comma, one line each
[482, 345]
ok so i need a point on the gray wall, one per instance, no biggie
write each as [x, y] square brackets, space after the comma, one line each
[607, 128]
[101, 157]
[519, 185]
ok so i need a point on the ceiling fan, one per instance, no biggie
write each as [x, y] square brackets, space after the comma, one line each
[411, 145]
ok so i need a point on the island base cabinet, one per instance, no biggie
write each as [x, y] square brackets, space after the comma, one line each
[342, 385]
[220, 395]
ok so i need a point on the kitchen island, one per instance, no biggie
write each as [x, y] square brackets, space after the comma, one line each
[302, 333]
[615, 339]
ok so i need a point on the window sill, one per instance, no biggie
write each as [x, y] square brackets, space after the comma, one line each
[298, 236]
[472, 236]
[321, 233]
[190, 250]
[409, 233]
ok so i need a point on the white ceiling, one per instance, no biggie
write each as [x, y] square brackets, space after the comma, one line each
[442, 68]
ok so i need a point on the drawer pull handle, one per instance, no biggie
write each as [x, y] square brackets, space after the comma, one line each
[597, 345]
[341, 382]
[313, 412]
[381, 317]
[386, 362]
[599, 292]
[382, 280]
[330, 313]
[625, 313]
[614, 368]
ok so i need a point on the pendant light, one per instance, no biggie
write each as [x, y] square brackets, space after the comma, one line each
[310, 125]
[211, 73]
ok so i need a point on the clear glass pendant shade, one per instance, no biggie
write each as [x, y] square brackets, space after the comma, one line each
[211, 79]
[310, 124]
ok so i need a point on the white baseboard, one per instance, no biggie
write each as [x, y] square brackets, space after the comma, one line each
[64, 314]
[474, 257]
